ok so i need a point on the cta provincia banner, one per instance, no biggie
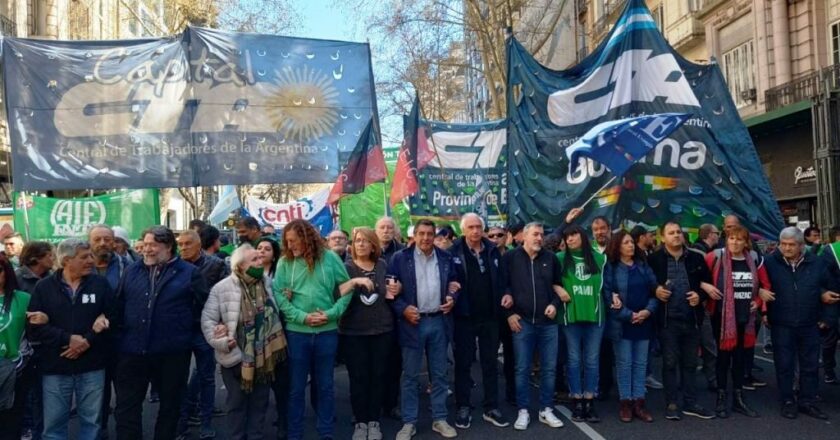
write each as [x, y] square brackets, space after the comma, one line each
[54, 219]
[312, 208]
[207, 107]
[467, 173]
[706, 169]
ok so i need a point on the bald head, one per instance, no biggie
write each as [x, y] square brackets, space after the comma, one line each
[729, 222]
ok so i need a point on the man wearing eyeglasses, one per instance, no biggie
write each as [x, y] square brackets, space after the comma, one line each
[707, 238]
[477, 315]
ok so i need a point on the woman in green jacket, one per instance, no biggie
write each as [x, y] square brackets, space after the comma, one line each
[304, 284]
[582, 319]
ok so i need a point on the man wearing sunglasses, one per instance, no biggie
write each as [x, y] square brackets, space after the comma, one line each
[498, 236]
[477, 314]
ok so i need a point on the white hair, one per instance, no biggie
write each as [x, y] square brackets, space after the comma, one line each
[532, 225]
[792, 232]
[468, 216]
[238, 256]
[386, 219]
[69, 248]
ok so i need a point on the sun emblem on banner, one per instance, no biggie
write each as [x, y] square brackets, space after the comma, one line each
[303, 103]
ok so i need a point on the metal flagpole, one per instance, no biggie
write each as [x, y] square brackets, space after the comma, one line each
[598, 191]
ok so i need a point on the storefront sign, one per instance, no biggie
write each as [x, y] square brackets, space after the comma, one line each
[803, 175]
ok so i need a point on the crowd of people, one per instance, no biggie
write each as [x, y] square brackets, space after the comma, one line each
[575, 315]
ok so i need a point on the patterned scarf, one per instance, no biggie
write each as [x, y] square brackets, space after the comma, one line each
[265, 344]
[729, 330]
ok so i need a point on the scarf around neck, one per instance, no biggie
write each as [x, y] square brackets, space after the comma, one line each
[729, 330]
[264, 344]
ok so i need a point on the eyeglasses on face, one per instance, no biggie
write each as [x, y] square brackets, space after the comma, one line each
[499, 235]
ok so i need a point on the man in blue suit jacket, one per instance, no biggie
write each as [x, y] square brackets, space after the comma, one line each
[160, 299]
[424, 278]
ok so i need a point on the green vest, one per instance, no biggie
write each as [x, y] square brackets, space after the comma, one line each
[585, 289]
[12, 324]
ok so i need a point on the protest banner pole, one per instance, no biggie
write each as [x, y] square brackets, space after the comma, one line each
[595, 194]
[25, 214]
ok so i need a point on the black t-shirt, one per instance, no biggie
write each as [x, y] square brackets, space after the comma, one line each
[479, 291]
[742, 283]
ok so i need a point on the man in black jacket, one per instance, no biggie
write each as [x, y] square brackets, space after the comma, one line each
[532, 297]
[70, 349]
[680, 274]
[476, 316]
[802, 285]
[203, 378]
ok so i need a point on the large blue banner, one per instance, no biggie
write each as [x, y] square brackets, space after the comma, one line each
[468, 172]
[706, 169]
[204, 108]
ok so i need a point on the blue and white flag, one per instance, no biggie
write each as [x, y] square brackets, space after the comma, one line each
[228, 202]
[619, 144]
[704, 170]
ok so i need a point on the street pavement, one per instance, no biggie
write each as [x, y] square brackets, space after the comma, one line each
[764, 400]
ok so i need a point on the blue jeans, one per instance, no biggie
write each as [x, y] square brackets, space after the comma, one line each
[58, 397]
[311, 353]
[631, 359]
[201, 389]
[584, 344]
[433, 341]
[525, 342]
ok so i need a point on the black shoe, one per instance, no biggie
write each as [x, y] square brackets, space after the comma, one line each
[739, 405]
[789, 410]
[809, 409]
[463, 418]
[672, 412]
[578, 414]
[830, 378]
[495, 417]
[698, 411]
[721, 410]
[754, 382]
[589, 411]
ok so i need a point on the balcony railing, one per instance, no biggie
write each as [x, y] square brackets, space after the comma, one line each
[8, 27]
[610, 7]
[803, 88]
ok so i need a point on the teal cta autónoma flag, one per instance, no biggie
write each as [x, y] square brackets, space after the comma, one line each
[705, 170]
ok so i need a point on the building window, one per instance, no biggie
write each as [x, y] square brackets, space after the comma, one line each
[835, 43]
[659, 16]
[739, 70]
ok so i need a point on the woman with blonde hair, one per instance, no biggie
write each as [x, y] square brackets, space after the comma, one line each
[367, 334]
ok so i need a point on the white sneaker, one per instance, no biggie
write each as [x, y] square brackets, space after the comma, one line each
[443, 428]
[547, 416]
[522, 420]
[373, 431]
[408, 430]
[360, 432]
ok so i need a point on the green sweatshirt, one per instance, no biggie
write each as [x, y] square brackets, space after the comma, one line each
[12, 324]
[585, 290]
[311, 291]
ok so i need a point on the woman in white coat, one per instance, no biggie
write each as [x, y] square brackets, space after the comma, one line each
[241, 322]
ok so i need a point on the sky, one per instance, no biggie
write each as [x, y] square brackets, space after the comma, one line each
[322, 19]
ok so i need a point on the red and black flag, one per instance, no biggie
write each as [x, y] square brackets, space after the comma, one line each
[415, 154]
[365, 166]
